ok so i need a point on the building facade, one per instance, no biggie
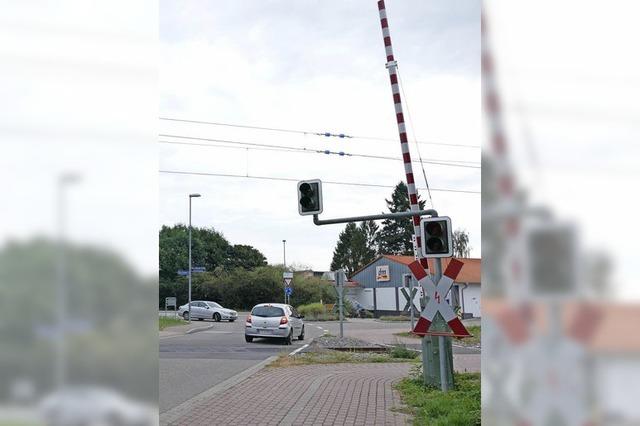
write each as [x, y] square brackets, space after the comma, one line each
[378, 286]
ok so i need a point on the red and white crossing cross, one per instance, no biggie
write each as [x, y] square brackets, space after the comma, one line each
[437, 302]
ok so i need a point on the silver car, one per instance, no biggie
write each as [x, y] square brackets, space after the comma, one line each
[274, 320]
[203, 309]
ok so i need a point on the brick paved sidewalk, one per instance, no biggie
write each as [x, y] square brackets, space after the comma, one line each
[332, 394]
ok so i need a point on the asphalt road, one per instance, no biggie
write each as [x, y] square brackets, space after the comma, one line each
[193, 363]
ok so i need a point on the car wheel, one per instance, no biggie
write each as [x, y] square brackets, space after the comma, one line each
[248, 339]
[200, 319]
[289, 339]
[231, 320]
[216, 317]
[301, 336]
[185, 315]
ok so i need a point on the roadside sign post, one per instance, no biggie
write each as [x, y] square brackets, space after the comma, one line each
[438, 313]
[170, 301]
[340, 284]
[287, 277]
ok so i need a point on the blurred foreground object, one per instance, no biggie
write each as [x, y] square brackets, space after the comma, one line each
[560, 339]
[78, 239]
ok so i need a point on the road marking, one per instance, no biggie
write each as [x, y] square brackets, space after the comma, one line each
[298, 350]
[319, 327]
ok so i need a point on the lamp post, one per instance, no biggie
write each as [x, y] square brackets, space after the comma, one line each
[62, 279]
[190, 267]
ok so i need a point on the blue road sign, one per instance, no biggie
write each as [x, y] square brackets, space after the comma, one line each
[195, 269]
[288, 290]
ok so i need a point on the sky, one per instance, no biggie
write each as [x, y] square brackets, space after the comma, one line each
[317, 67]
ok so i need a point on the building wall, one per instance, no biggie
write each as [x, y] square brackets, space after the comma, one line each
[385, 291]
[471, 300]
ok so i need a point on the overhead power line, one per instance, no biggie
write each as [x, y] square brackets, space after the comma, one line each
[305, 132]
[372, 185]
[449, 163]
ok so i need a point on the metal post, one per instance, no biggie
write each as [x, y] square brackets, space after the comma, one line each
[442, 355]
[284, 255]
[62, 281]
[190, 266]
[190, 259]
[340, 282]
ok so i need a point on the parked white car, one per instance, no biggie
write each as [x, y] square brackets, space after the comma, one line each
[203, 309]
[274, 320]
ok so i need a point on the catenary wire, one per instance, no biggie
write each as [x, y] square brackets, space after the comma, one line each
[305, 132]
[372, 185]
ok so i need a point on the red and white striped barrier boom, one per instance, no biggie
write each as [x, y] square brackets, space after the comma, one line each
[404, 142]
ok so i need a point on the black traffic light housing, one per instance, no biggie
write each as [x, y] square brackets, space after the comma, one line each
[310, 197]
[437, 237]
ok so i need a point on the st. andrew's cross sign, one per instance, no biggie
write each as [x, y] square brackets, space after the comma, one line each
[437, 302]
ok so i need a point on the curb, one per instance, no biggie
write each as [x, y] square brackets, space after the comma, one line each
[178, 412]
[195, 330]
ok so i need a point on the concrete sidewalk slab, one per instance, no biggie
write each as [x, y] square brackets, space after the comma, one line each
[340, 394]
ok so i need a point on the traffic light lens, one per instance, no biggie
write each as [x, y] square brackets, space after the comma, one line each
[434, 229]
[435, 245]
[306, 189]
[307, 203]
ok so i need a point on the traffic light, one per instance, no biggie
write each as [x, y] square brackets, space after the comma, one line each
[310, 197]
[437, 238]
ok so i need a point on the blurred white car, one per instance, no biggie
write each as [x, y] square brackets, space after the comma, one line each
[92, 406]
[203, 309]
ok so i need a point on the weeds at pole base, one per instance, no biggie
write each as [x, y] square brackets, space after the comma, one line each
[430, 406]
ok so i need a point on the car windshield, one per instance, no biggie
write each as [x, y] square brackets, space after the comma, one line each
[214, 305]
[267, 311]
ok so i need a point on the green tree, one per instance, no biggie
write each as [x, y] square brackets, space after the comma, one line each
[461, 246]
[209, 249]
[395, 237]
[353, 249]
[244, 256]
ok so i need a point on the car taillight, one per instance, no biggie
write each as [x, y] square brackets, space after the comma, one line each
[284, 320]
[248, 318]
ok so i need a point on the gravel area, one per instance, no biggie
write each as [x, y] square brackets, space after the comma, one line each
[331, 342]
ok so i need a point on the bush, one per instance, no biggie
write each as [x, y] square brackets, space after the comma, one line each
[312, 310]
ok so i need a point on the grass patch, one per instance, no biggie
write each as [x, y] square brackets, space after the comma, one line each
[338, 357]
[394, 318]
[431, 407]
[165, 322]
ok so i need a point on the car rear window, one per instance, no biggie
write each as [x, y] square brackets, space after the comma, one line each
[267, 311]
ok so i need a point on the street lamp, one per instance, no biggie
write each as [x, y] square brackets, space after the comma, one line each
[190, 267]
[64, 181]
